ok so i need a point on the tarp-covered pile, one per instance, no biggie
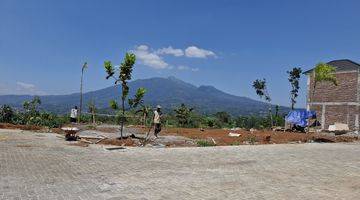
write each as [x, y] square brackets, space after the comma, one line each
[299, 117]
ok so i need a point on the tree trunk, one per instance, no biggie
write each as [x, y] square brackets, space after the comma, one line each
[81, 94]
[122, 117]
[271, 117]
[144, 119]
[93, 117]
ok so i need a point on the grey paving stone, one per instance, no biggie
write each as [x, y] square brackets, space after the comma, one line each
[42, 166]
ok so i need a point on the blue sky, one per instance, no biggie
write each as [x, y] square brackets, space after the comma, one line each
[227, 44]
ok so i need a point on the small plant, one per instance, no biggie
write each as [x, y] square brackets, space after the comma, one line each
[251, 139]
[205, 143]
[92, 109]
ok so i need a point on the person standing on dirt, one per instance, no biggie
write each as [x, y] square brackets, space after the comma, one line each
[73, 114]
[157, 120]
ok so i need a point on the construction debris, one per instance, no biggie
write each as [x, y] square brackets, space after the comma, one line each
[339, 127]
[70, 133]
[234, 134]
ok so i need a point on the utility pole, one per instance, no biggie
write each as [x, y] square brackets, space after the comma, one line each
[81, 89]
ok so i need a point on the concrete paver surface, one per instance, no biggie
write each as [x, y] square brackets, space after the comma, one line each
[43, 166]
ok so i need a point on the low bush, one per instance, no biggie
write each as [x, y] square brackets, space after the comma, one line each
[205, 143]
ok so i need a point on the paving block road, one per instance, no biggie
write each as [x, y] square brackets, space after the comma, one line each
[44, 166]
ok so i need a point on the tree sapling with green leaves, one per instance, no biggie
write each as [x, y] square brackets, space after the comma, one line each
[92, 109]
[122, 76]
[261, 90]
[294, 77]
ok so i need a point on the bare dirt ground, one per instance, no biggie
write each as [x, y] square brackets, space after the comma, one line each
[258, 137]
[187, 137]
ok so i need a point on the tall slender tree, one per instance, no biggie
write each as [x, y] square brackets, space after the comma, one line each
[85, 65]
[294, 77]
[261, 90]
[123, 76]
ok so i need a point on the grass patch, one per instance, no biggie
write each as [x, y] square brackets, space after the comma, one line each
[252, 139]
[205, 143]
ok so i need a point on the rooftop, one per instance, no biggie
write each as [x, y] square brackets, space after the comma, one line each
[341, 65]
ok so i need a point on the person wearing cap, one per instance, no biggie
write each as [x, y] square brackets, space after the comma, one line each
[157, 120]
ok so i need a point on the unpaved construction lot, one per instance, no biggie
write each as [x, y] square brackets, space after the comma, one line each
[44, 166]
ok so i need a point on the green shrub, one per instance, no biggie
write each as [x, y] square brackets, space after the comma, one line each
[6, 114]
[251, 139]
[205, 143]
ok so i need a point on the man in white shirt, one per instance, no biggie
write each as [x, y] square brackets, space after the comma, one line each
[157, 120]
[73, 114]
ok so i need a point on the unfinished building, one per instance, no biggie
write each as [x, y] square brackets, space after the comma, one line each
[336, 104]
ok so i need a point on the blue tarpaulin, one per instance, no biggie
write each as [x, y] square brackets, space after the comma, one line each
[299, 117]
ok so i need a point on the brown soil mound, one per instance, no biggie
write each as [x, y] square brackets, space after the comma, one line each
[222, 138]
[21, 127]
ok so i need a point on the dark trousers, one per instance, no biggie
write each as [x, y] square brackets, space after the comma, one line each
[157, 129]
[72, 120]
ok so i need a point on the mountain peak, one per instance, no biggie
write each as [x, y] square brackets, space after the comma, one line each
[168, 92]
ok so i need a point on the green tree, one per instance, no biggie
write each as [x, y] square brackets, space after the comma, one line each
[223, 117]
[32, 114]
[32, 106]
[123, 76]
[324, 73]
[6, 114]
[262, 91]
[85, 65]
[294, 77]
[183, 114]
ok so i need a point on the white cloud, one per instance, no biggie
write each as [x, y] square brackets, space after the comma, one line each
[148, 58]
[28, 88]
[195, 52]
[171, 51]
[152, 57]
[184, 67]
